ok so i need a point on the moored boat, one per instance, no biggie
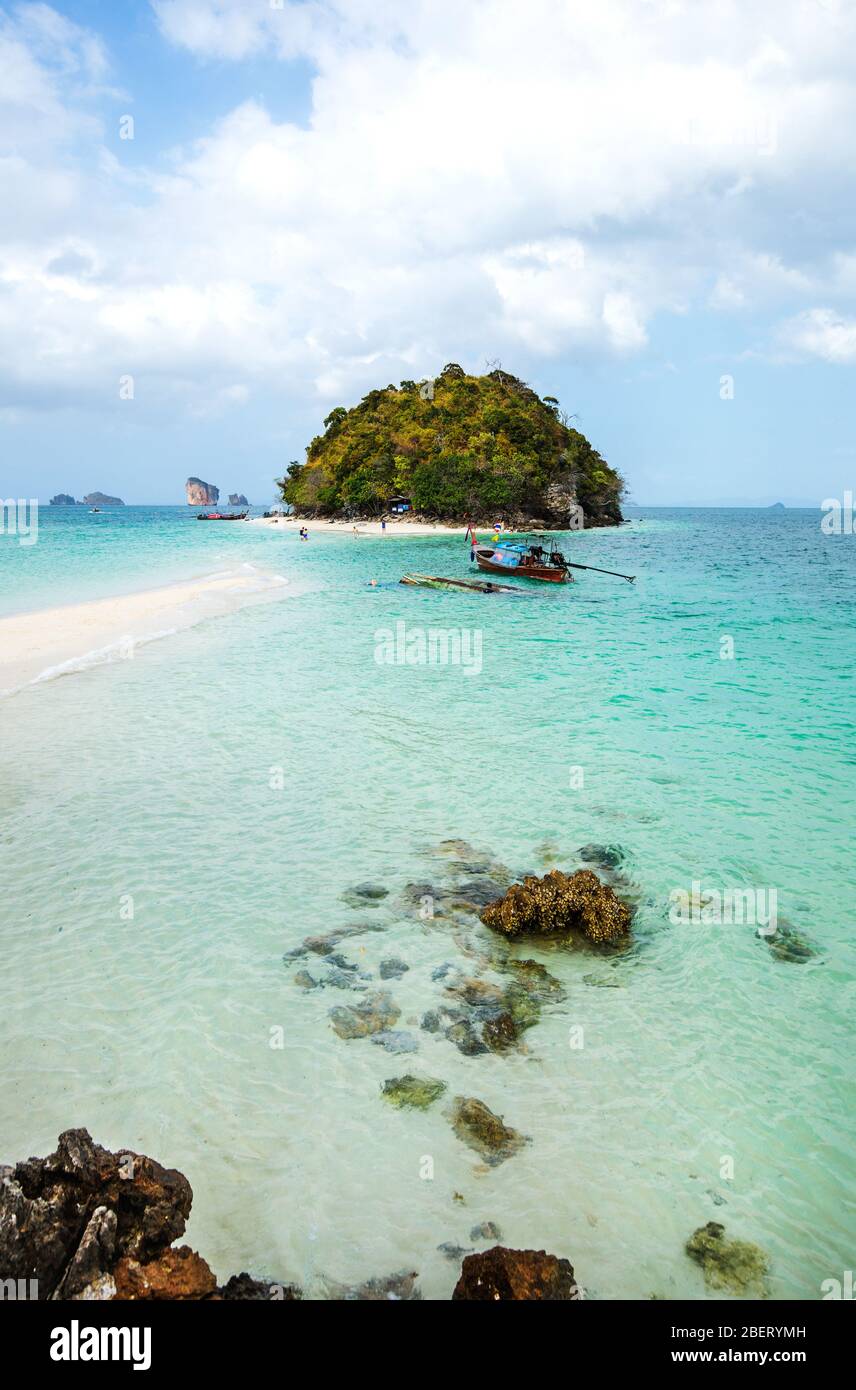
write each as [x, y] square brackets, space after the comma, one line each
[524, 562]
[222, 516]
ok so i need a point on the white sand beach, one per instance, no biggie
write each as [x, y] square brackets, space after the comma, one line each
[398, 527]
[56, 641]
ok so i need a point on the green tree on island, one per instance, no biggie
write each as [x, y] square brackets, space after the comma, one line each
[460, 446]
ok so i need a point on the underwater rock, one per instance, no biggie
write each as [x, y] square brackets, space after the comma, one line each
[365, 895]
[431, 1021]
[305, 981]
[547, 852]
[441, 971]
[486, 1230]
[479, 891]
[412, 1092]
[453, 1251]
[737, 1266]
[245, 1288]
[788, 944]
[393, 968]
[393, 1288]
[455, 849]
[500, 1032]
[478, 1127]
[603, 981]
[341, 962]
[522, 1005]
[536, 980]
[376, 1013]
[495, 1013]
[336, 978]
[396, 1040]
[503, 1275]
[604, 856]
[558, 904]
[325, 945]
[466, 1039]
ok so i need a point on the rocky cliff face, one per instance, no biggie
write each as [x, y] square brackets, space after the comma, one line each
[63, 499]
[200, 494]
[237, 499]
[101, 499]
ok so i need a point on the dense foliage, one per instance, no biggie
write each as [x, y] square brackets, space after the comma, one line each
[460, 446]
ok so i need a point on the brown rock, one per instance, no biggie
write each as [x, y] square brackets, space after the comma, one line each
[501, 1275]
[178, 1273]
[560, 904]
[85, 1223]
[64, 1216]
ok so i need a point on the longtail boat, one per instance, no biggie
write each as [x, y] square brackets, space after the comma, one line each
[222, 516]
[478, 586]
[524, 562]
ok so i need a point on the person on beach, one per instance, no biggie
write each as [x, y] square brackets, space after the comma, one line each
[383, 523]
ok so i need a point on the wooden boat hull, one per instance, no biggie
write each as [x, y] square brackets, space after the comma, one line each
[547, 574]
[218, 516]
[478, 586]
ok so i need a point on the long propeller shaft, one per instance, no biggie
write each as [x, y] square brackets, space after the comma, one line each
[631, 578]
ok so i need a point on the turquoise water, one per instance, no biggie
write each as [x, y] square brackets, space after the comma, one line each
[235, 779]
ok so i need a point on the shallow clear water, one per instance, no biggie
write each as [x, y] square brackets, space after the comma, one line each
[159, 778]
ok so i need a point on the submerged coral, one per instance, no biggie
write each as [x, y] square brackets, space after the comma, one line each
[412, 1092]
[558, 904]
[482, 1130]
[737, 1266]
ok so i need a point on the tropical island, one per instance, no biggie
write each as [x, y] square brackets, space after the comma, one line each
[458, 448]
[92, 499]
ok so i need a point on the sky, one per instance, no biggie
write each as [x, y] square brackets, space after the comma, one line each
[221, 218]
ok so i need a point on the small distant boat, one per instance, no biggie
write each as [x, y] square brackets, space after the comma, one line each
[93, 511]
[222, 516]
[478, 586]
[524, 562]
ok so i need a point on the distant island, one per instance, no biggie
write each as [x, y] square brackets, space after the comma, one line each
[92, 499]
[100, 499]
[237, 499]
[460, 447]
[777, 507]
[201, 494]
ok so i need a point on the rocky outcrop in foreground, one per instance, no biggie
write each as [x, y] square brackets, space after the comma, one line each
[560, 905]
[85, 1223]
[200, 494]
[88, 1224]
[502, 1275]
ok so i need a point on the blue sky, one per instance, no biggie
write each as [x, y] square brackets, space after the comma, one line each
[650, 217]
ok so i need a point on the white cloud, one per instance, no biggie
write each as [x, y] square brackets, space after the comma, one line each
[821, 333]
[472, 182]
